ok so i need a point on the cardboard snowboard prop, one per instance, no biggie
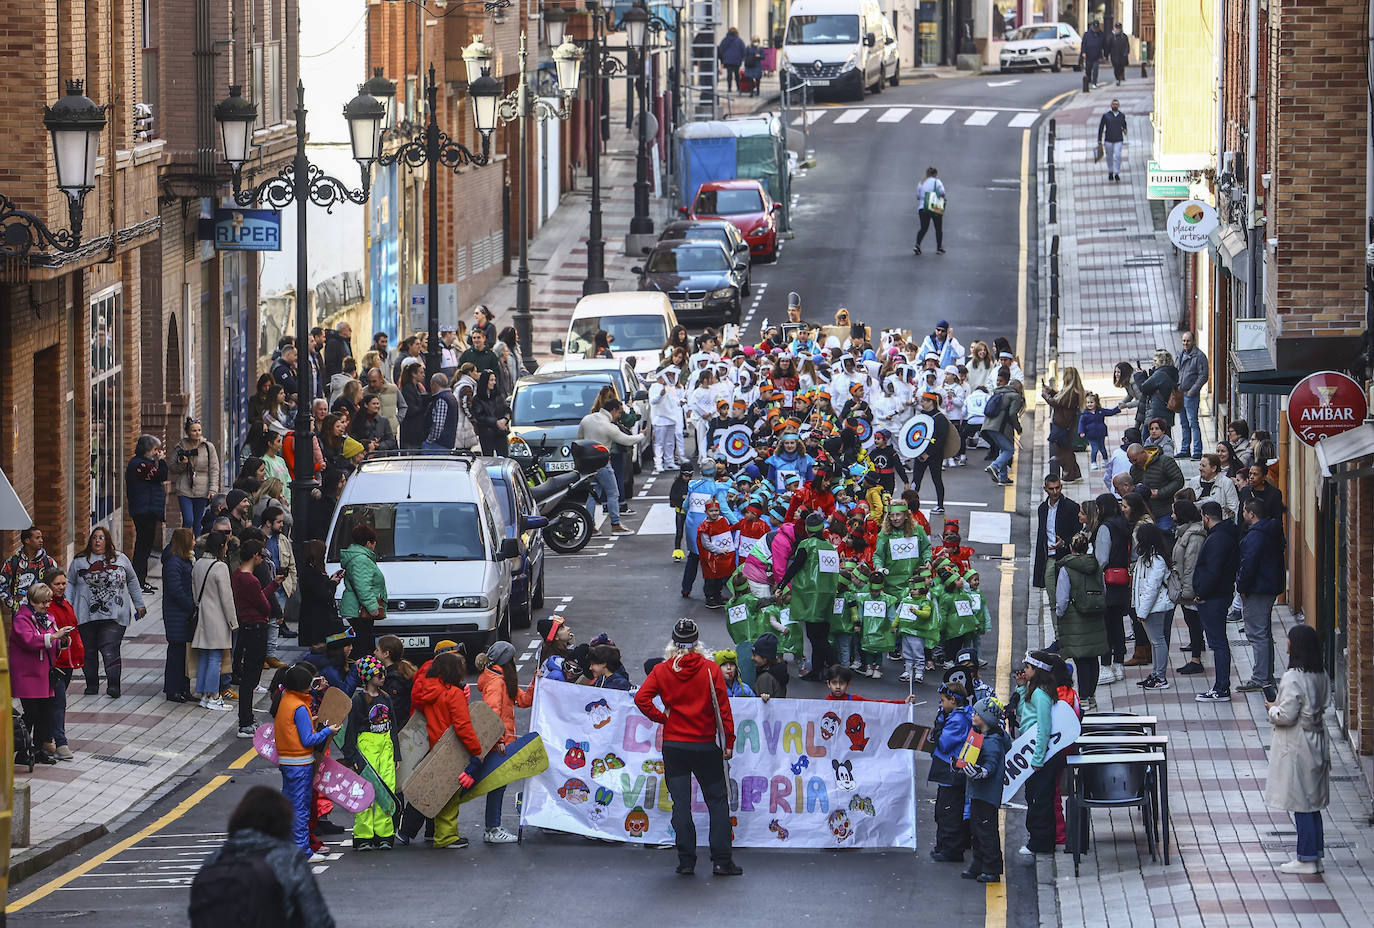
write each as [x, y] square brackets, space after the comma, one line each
[335, 705]
[1065, 728]
[332, 779]
[435, 778]
[385, 799]
[413, 743]
[909, 736]
[525, 757]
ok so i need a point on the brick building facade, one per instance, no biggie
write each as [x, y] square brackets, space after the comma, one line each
[145, 324]
[1287, 296]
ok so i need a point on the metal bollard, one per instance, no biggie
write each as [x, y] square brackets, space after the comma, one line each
[1051, 172]
[1054, 207]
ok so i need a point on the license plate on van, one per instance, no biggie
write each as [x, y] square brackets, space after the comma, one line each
[555, 466]
[418, 642]
[819, 82]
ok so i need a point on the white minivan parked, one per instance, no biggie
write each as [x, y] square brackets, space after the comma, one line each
[441, 545]
[838, 45]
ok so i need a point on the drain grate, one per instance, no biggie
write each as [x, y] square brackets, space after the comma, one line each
[109, 758]
[1288, 845]
[1121, 229]
[1148, 261]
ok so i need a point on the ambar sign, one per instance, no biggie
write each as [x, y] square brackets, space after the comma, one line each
[1325, 403]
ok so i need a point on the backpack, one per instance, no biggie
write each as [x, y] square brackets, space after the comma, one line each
[237, 892]
[1092, 598]
[1173, 585]
[993, 407]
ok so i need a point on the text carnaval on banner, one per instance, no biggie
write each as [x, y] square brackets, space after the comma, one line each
[805, 773]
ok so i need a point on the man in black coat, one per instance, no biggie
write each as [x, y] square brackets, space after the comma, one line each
[1119, 49]
[338, 345]
[1214, 582]
[1057, 522]
[1093, 47]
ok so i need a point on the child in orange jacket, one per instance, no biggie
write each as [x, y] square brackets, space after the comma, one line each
[499, 686]
[441, 693]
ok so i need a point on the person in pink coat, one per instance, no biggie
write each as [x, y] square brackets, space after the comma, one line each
[35, 641]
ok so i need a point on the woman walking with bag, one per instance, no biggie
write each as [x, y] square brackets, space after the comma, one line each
[1066, 404]
[930, 194]
[698, 740]
[106, 596]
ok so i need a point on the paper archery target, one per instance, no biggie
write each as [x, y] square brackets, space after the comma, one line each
[915, 436]
[864, 431]
[737, 443]
[975, 404]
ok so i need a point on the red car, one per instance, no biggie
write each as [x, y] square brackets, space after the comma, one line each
[747, 205]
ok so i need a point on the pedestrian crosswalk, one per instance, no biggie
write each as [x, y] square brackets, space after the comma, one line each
[972, 116]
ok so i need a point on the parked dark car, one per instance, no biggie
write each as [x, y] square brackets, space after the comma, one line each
[701, 279]
[713, 230]
[522, 523]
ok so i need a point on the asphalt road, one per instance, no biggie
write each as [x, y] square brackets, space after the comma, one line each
[855, 224]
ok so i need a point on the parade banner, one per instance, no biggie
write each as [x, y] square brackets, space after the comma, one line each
[806, 772]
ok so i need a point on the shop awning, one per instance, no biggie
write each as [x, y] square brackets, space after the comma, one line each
[1229, 250]
[1347, 446]
[1256, 373]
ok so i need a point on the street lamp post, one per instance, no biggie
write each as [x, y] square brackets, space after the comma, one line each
[678, 7]
[596, 245]
[518, 106]
[300, 183]
[75, 124]
[639, 24]
[435, 148]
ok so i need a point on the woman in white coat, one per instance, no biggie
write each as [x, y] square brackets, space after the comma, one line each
[1150, 597]
[216, 620]
[666, 414]
[1299, 778]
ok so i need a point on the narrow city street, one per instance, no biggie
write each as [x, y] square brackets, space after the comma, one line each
[855, 225]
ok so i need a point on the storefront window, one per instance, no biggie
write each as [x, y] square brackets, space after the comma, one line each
[107, 406]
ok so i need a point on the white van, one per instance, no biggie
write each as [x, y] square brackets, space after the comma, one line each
[838, 44]
[441, 545]
[638, 322]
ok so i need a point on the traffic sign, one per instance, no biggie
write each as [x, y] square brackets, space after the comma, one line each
[1324, 404]
[1167, 185]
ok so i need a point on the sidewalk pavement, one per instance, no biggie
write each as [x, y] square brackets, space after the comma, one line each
[1120, 300]
[129, 751]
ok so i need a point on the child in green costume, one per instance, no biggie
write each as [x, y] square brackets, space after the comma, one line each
[779, 620]
[844, 622]
[877, 612]
[958, 618]
[918, 625]
[369, 741]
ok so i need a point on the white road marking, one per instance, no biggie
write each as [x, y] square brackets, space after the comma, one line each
[852, 115]
[1014, 80]
[989, 527]
[894, 114]
[980, 118]
[1022, 120]
[937, 117]
[660, 520]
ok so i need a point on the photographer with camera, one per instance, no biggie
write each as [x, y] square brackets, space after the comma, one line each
[197, 473]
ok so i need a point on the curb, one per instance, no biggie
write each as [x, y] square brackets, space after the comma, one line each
[32, 860]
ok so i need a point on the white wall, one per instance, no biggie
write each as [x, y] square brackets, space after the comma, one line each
[333, 34]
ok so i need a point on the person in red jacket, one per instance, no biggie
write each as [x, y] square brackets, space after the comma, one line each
[698, 738]
[716, 548]
[442, 694]
[751, 528]
[69, 659]
[815, 495]
[959, 554]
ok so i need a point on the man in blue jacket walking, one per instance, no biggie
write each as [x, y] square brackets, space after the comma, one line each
[1259, 582]
[731, 55]
[1094, 44]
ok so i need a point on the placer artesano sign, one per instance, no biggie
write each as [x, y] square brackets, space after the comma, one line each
[1190, 223]
[1325, 403]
